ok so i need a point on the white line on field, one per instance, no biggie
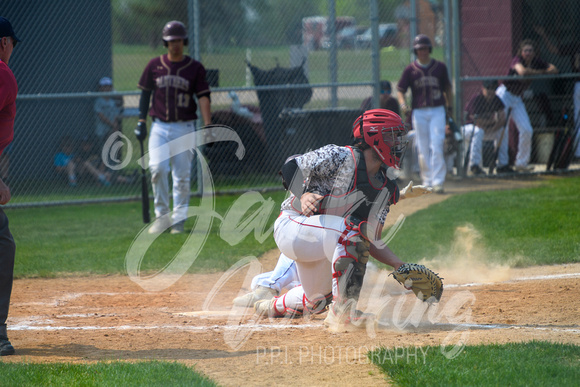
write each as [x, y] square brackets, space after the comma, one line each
[265, 327]
[204, 328]
[33, 324]
[547, 277]
[519, 279]
[508, 326]
[71, 296]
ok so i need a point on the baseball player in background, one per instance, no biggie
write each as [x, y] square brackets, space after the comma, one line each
[386, 100]
[175, 80]
[510, 92]
[8, 91]
[333, 219]
[428, 80]
[572, 50]
[485, 120]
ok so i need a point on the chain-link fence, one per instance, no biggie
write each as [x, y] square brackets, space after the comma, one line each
[287, 76]
[496, 40]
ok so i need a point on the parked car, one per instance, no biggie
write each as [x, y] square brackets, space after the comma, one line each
[345, 38]
[314, 30]
[387, 36]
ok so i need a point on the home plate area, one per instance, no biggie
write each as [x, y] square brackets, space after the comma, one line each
[82, 319]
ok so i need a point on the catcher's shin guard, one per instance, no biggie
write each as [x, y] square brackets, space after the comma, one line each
[319, 305]
[349, 270]
[281, 307]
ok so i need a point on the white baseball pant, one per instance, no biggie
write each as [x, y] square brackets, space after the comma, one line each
[429, 123]
[313, 243]
[166, 159]
[479, 135]
[411, 158]
[520, 117]
[284, 276]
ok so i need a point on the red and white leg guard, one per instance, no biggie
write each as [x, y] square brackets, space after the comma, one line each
[295, 304]
[349, 264]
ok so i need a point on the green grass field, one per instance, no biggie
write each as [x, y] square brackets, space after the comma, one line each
[535, 226]
[514, 364]
[148, 373]
[72, 236]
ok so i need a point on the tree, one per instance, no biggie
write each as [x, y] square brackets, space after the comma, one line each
[224, 22]
[142, 21]
[280, 22]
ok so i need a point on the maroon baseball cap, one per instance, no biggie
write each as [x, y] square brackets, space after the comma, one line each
[6, 29]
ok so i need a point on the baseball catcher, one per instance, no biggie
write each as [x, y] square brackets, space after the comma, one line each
[332, 222]
[268, 285]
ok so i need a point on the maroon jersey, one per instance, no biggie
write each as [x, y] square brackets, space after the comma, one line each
[8, 91]
[427, 83]
[519, 86]
[174, 85]
[481, 106]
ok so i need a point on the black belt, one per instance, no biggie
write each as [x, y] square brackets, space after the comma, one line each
[156, 119]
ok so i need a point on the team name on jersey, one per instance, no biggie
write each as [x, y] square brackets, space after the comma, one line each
[172, 81]
[427, 81]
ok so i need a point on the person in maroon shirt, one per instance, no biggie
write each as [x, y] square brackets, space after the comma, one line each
[176, 81]
[485, 121]
[430, 87]
[8, 91]
[386, 100]
[510, 92]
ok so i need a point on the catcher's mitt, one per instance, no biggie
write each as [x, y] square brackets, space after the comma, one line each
[426, 284]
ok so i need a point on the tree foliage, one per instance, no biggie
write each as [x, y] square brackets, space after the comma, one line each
[234, 22]
[141, 21]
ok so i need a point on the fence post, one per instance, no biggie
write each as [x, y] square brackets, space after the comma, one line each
[375, 50]
[332, 60]
[457, 77]
[194, 33]
[412, 28]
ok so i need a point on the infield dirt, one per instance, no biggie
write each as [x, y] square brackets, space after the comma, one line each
[87, 319]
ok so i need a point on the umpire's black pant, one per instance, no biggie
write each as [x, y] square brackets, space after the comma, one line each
[7, 252]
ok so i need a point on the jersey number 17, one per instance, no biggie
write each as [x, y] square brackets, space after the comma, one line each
[183, 100]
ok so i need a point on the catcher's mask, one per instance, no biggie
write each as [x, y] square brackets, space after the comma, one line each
[382, 130]
[174, 30]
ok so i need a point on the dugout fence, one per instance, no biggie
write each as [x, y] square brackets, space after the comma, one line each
[339, 50]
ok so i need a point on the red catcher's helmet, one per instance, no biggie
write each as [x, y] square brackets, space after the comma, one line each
[422, 41]
[174, 30]
[382, 130]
